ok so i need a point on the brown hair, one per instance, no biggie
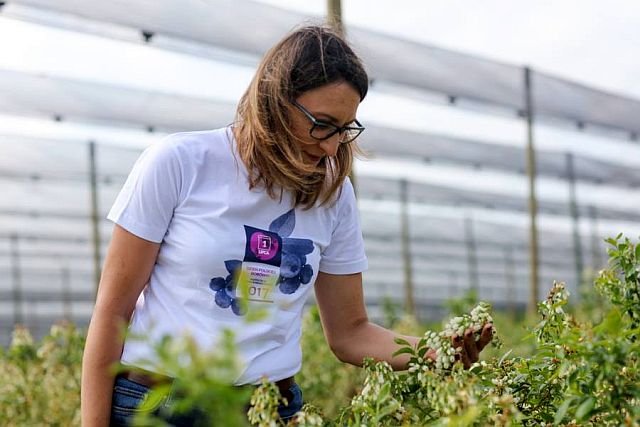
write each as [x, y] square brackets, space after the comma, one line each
[307, 58]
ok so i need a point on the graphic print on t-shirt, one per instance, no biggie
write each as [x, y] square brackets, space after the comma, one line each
[272, 259]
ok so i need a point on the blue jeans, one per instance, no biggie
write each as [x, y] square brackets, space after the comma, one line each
[129, 395]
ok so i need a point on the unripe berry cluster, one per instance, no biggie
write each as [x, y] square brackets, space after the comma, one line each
[442, 343]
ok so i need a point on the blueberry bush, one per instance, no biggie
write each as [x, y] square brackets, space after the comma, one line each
[581, 368]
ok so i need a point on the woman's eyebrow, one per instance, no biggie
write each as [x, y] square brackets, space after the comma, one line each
[329, 117]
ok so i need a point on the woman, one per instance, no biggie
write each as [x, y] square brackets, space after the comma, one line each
[268, 196]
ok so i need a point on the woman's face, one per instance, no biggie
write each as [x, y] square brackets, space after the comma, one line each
[334, 103]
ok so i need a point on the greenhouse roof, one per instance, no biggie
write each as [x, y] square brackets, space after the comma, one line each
[414, 64]
[82, 101]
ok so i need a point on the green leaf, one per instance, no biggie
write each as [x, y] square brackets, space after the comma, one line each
[562, 411]
[475, 369]
[504, 357]
[404, 350]
[638, 253]
[611, 240]
[585, 408]
[402, 341]
[385, 392]
[611, 324]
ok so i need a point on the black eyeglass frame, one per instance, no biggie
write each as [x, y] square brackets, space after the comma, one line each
[320, 123]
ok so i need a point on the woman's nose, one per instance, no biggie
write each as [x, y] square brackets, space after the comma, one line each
[330, 146]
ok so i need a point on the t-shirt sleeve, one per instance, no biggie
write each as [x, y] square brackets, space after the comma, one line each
[145, 204]
[345, 253]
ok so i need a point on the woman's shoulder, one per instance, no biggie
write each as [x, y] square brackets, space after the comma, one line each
[197, 140]
[346, 194]
[197, 146]
[343, 198]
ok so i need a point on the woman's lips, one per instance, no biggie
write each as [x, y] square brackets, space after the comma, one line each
[312, 158]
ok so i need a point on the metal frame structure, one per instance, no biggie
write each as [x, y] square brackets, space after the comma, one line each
[200, 29]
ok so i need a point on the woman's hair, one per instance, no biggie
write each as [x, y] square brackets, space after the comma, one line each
[308, 58]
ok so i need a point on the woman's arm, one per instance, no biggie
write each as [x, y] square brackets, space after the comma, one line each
[352, 337]
[126, 271]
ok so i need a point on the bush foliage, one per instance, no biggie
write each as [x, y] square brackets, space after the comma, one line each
[579, 370]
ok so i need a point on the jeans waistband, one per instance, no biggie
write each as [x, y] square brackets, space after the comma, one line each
[152, 379]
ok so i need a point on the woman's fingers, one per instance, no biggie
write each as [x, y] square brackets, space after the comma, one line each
[485, 336]
[468, 349]
[461, 354]
[431, 354]
[470, 346]
[464, 358]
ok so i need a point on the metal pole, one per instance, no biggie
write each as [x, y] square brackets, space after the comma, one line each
[573, 207]
[472, 257]
[16, 275]
[533, 204]
[95, 222]
[406, 248]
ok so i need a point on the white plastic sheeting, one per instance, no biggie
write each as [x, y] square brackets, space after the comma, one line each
[252, 27]
[45, 183]
[75, 100]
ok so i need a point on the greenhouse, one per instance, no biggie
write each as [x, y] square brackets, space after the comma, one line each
[478, 177]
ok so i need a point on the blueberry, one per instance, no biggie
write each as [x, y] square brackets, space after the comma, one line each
[223, 299]
[217, 283]
[289, 286]
[303, 259]
[297, 246]
[238, 306]
[232, 265]
[230, 291]
[306, 273]
[290, 266]
[230, 284]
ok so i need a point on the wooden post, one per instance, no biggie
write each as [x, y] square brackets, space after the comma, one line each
[510, 280]
[16, 276]
[334, 15]
[533, 203]
[573, 208]
[65, 277]
[596, 240]
[334, 19]
[452, 291]
[406, 248]
[95, 219]
[472, 256]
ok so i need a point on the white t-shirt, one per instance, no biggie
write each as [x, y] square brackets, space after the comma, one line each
[190, 192]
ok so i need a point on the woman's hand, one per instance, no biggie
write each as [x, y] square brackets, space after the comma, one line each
[467, 348]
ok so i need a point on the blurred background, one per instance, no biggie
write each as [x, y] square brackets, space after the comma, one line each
[503, 136]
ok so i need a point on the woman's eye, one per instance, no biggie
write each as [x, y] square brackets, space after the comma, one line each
[324, 126]
[322, 130]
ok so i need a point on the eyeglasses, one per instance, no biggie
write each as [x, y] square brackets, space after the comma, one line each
[321, 130]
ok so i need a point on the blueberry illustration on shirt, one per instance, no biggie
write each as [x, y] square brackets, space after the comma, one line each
[272, 259]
